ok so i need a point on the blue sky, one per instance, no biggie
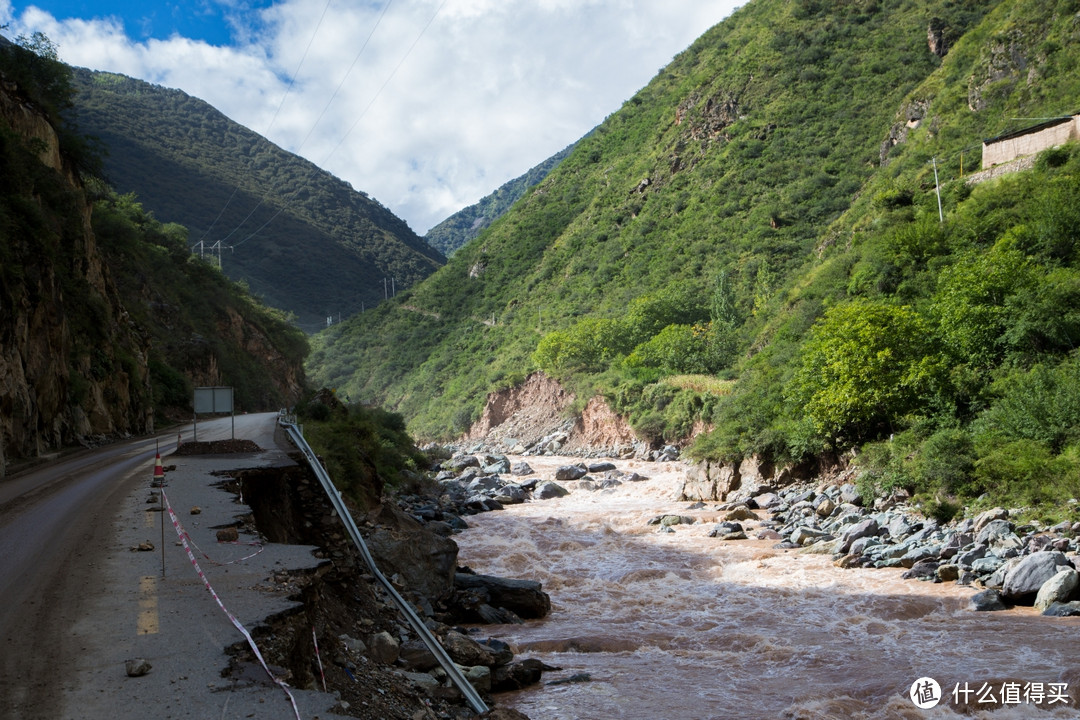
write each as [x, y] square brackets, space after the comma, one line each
[207, 20]
[427, 105]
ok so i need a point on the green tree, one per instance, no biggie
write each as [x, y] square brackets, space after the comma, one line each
[972, 301]
[864, 365]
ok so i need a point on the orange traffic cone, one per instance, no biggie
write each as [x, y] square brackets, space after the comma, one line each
[159, 472]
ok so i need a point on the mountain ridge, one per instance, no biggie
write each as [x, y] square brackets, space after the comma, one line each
[305, 241]
[467, 223]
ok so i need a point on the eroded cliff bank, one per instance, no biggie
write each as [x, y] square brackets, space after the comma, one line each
[72, 365]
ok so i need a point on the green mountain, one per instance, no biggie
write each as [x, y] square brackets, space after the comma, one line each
[108, 321]
[753, 242]
[465, 224]
[301, 239]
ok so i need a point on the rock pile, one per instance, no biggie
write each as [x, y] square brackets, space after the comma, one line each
[1016, 564]
[475, 483]
[561, 440]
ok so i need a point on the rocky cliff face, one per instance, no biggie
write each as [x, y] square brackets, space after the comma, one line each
[72, 366]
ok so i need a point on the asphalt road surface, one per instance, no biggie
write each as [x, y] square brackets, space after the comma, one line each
[52, 520]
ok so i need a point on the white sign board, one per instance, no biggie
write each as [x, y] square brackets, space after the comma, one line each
[213, 400]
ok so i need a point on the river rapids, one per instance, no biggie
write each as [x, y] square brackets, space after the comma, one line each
[681, 625]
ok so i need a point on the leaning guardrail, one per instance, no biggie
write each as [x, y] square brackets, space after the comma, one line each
[288, 423]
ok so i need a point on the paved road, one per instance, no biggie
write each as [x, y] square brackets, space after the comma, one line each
[54, 521]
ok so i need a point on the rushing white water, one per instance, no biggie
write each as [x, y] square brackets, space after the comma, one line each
[680, 625]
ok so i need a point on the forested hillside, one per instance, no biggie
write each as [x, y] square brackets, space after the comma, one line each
[108, 321]
[753, 242]
[303, 240]
[464, 225]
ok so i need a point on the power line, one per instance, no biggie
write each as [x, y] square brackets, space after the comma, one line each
[345, 77]
[313, 125]
[387, 82]
[273, 119]
[390, 77]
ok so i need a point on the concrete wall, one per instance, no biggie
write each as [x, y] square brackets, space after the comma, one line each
[1006, 149]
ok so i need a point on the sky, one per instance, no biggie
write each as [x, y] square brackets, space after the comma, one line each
[426, 105]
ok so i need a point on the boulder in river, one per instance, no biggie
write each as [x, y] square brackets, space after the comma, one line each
[521, 468]
[1058, 609]
[548, 490]
[566, 473]
[525, 598]
[728, 531]
[1025, 579]
[987, 600]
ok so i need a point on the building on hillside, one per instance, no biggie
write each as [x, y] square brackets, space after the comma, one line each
[1030, 140]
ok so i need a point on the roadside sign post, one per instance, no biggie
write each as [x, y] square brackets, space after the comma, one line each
[213, 400]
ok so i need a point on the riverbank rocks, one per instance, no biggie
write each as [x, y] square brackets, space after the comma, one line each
[989, 551]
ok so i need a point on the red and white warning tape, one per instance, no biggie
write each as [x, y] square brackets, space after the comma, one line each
[182, 534]
[212, 561]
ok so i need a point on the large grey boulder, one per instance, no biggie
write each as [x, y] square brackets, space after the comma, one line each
[805, 535]
[999, 535]
[500, 466]
[424, 561]
[566, 473]
[521, 468]
[987, 600]
[1025, 579]
[461, 462]
[523, 597]
[985, 518]
[549, 490]
[384, 648]
[463, 650]
[1069, 609]
[728, 531]
[1057, 589]
[863, 528]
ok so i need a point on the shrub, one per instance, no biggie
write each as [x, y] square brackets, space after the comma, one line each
[945, 462]
[1041, 405]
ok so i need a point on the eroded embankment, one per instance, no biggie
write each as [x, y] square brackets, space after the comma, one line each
[366, 655]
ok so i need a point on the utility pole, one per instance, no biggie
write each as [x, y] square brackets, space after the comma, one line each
[384, 294]
[937, 189]
[393, 290]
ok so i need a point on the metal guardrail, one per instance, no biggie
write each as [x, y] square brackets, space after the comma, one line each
[415, 621]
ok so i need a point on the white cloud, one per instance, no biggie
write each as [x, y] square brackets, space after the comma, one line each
[492, 87]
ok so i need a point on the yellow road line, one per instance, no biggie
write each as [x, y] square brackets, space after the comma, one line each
[147, 622]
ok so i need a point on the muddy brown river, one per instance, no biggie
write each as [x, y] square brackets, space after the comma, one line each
[680, 625]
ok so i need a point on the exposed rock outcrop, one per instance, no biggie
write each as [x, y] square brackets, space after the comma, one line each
[535, 413]
[72, 365]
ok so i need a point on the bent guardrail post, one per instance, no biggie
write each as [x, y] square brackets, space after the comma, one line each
[415, 621]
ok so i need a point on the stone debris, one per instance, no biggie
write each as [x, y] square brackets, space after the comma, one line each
[137, 667]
